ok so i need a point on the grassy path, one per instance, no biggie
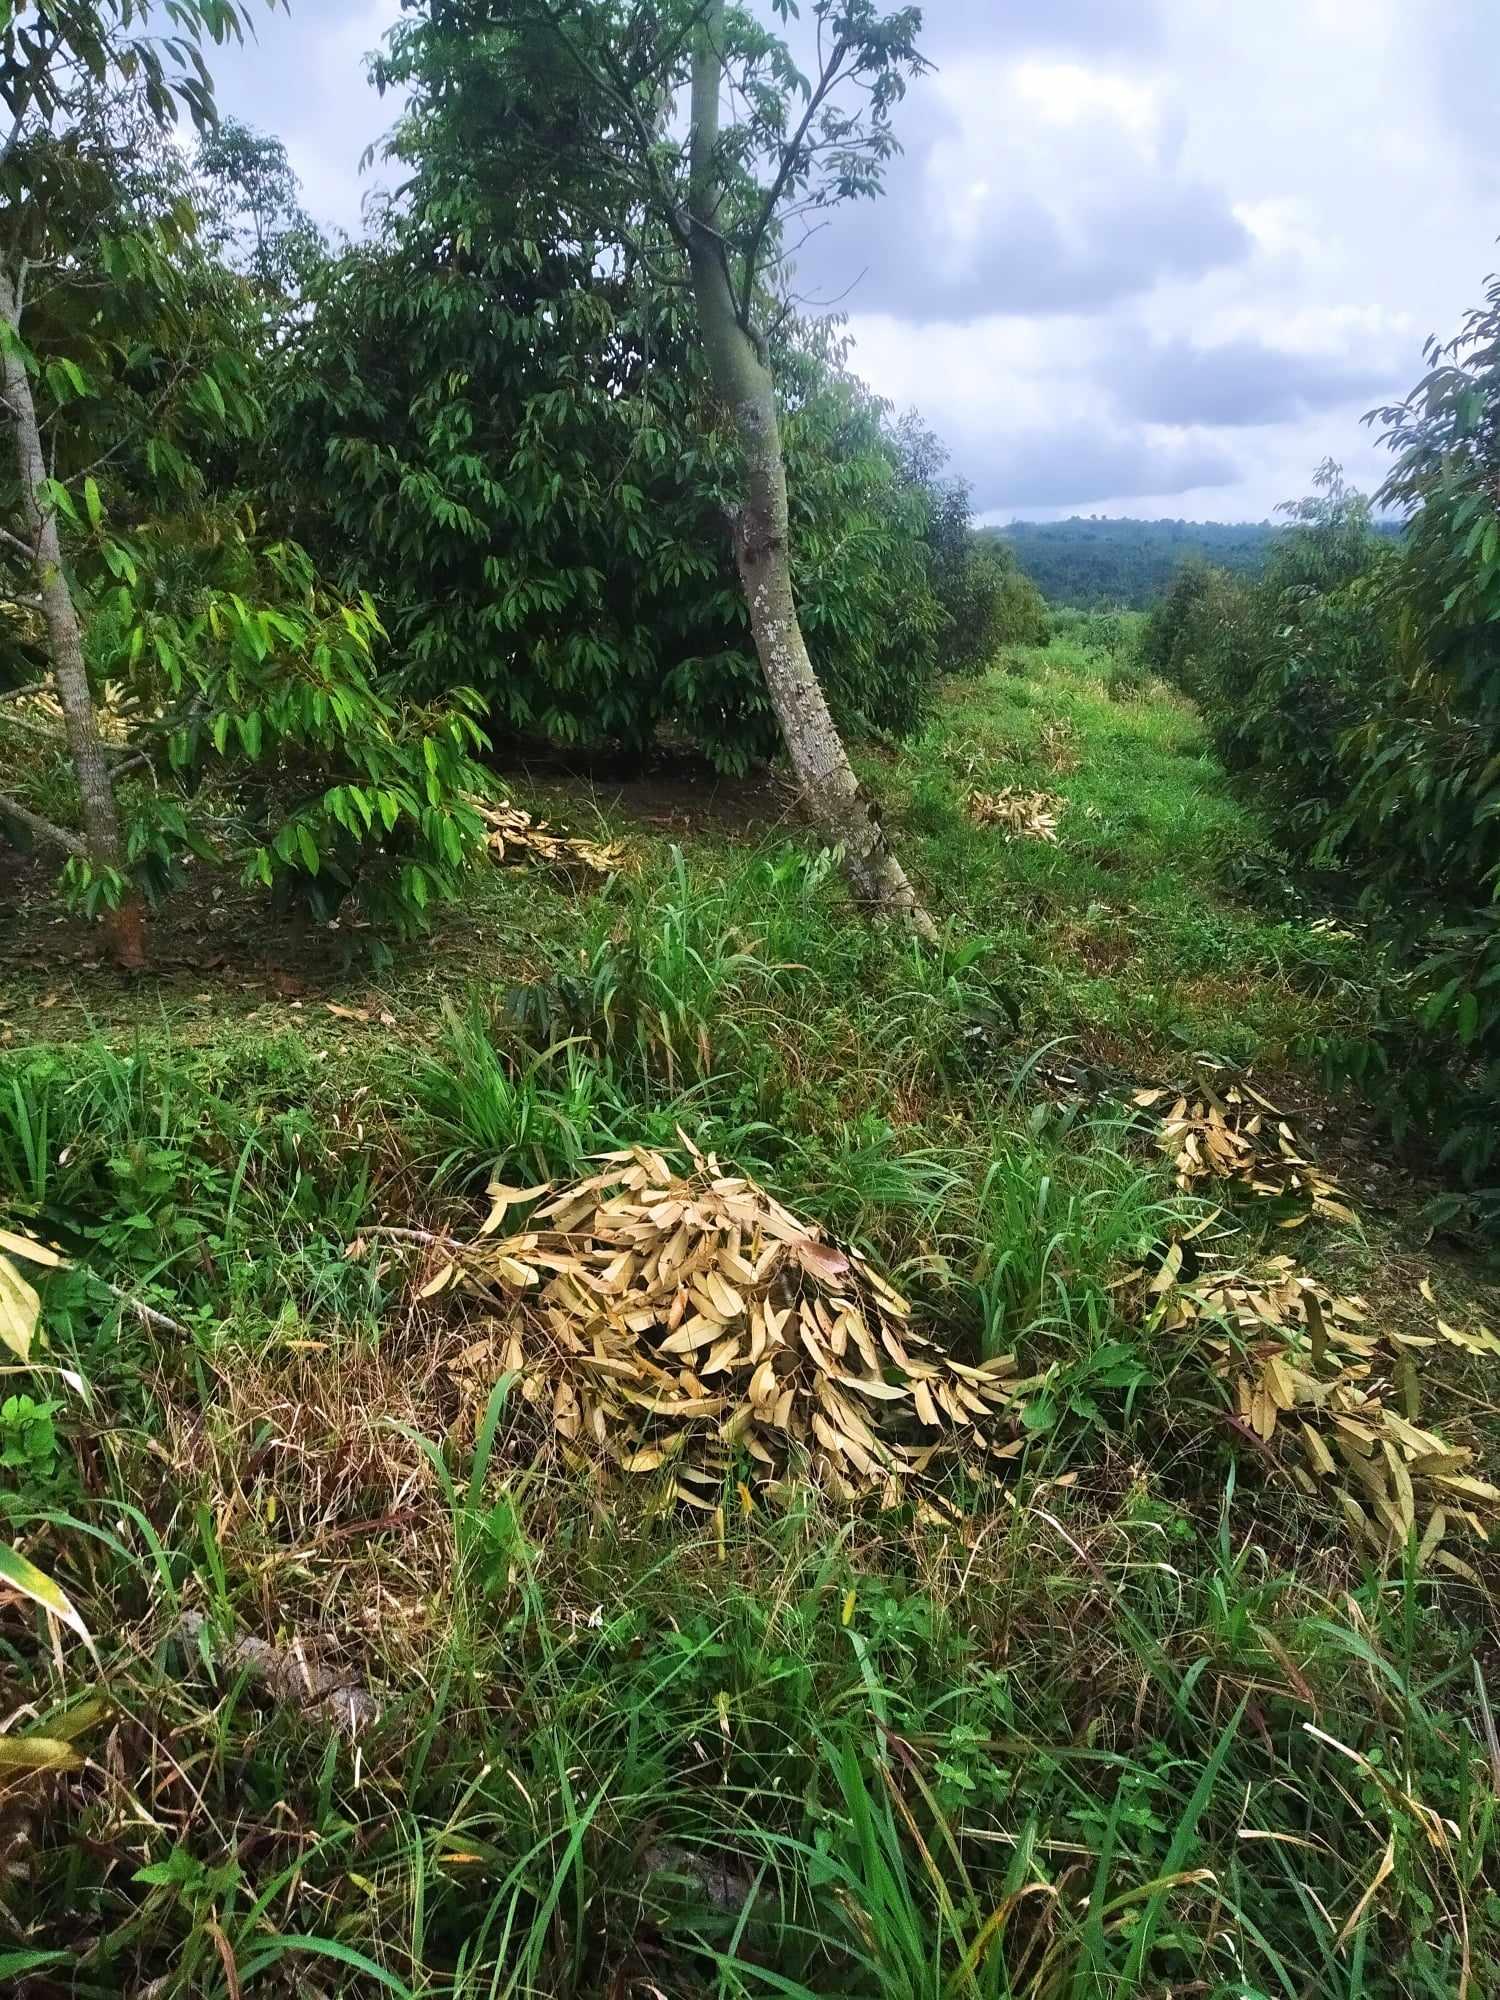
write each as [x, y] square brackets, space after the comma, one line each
[1145, 1719]
[1158, 918]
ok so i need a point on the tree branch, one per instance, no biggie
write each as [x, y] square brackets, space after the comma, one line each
[636, 251]
[136, 761]
[42, 829]
[35, 728]
[38, 67]
[148, 1314]
[615, 85]
[790, 154]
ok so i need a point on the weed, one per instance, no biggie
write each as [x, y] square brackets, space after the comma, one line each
[510, 1115]
[666, 968]
[1055, 1230]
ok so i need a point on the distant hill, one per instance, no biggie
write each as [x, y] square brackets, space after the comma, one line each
[1093, 561]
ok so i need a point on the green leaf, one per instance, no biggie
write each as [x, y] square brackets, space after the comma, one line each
[58, 497]
[1179, 1853]
[1435, 1008]
[276, 1948]
[14, 1963]
[62, 370]
[93, 505]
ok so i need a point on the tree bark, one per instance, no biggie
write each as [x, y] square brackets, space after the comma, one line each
[102, 844]
[833, 796]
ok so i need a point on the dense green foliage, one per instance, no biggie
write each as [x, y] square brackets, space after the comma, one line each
[1096, 561]
[1357, 682]
[247, 707]
[519, 457]
[990, 603]
[487, 456]
[505, 431]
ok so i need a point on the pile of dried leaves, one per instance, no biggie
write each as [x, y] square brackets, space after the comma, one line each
[1019, 815]
[515, 836]
[663, 1323]
[1238, 1135]
[1302, 1367]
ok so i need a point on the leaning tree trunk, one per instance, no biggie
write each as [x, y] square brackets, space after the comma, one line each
[102, 844]
[832, 794]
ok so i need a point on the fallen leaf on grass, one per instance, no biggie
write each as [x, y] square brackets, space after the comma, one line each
[1478, 1341]
[1235, 1134]
[29, 1248]
[1019, 815]
[1319, 1392]
[20, 1574]
[37, 1753]
[20, 1305]
[513, 835]
[503, 1198]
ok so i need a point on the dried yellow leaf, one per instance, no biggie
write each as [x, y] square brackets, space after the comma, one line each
[30, 1251]
[439, 1282]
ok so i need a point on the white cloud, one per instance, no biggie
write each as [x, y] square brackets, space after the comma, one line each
[1027, 187]
[1358, 157]
[1065, 93]
[1109, 212]
[302, 76]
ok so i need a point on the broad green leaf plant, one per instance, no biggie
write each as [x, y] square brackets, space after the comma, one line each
[176, 686]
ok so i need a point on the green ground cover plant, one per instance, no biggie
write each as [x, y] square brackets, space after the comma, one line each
[1142, 1717]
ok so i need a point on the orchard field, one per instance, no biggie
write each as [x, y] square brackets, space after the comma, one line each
[391, 1690]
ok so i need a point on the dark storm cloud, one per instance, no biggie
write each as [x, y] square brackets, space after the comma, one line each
[1237, 382]
[1076, 465]
[1070, 251]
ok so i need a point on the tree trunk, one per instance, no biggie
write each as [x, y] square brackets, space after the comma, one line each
[103, 846]
[835, 800]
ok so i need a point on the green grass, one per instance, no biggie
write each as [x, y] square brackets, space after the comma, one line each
[1141, 1722]
[1123, 931]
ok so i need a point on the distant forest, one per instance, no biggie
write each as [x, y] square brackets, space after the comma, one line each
[1096, 561]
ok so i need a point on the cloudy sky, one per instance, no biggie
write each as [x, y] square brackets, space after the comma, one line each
[1140, 256]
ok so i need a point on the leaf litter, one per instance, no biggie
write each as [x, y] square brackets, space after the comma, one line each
[1334, 1404]
[1020, 815]
[514, 835]
[673, 1325]
[1236, 1134]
